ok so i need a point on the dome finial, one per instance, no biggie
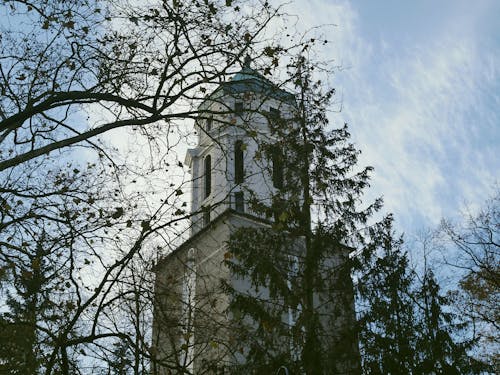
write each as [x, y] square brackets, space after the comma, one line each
[248, 61]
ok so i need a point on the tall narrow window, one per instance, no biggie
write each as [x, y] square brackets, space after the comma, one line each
[238, 162]
[277, 159]
[206, 216]
[209, 123]
[208, 175]
[239, 203]
[293, 312]
[274, 113]
[279, 206]
[238, 107]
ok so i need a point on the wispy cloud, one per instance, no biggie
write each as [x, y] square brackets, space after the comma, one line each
[425, 115]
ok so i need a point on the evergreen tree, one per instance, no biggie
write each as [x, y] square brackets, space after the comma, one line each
[386, 316]
[437, 350]
[267, 261]
[298, 311]
[38, 301]
[28, 303]
[407, 328]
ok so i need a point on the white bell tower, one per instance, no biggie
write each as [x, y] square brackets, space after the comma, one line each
[227, 169]
[224, 165]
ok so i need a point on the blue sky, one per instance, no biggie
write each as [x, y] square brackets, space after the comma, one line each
[420, 89]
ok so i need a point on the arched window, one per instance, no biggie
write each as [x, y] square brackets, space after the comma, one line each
[238, 162]
[208, 175]
[277, 159]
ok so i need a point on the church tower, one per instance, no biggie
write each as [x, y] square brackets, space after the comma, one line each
[191, 328]
[190, 314]
[223, 165]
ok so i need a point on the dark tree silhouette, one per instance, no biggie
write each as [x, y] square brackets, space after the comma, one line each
[76, 76]
[299, 310]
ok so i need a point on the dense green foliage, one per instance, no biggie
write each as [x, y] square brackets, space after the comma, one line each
[299, 310]
[386, 310]
[406, 326]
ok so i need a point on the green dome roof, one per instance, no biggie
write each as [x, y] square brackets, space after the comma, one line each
[248, 79]
[247, 73]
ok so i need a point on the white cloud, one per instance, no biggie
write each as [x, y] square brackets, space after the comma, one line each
[426, 116]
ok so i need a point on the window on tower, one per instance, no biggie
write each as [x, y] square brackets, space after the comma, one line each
[277, 160]
[274, 117]
[208, 175]
[238, 162]
[239, 203]
[206, 216]
[238, 107]
[279, 206]
[274, 113]
[209, 124]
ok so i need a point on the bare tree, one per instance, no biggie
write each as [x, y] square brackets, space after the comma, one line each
[476, 242]
[76, 213]
[134, 65]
